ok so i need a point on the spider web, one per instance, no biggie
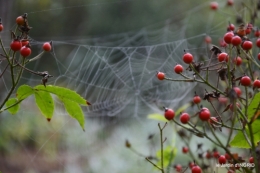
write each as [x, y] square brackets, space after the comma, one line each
[117, 75]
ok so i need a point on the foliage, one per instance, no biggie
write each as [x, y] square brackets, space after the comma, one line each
[42, 93]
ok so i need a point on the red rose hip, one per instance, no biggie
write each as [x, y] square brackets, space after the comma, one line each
[1, 27]
[46, 46]
[237, 61]
[187, 58]
[25, 51]
[184, 118]
[160, 75]
[204, 114]
[196, 169]
[258, 42]
[223, 57]
[214, 5]
[16, 45]
[178, 69]
[20, 20]
[256, 83]
[228, 37]
[236, 40]
[196, 99]
[169, 114]
[245, 81]
[247, 45]
[222, 159]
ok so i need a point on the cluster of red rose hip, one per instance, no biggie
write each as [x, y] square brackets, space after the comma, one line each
[237, 39]
[214, 154]
[21, 42]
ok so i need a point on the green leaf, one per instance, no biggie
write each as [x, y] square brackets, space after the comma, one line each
[14, 109]
[158, 117]
[239, 140]
[183, 108]
[23, 92]
[62, 93]
[74, 110]
[169, 154]
[45, 103]
[253, 106]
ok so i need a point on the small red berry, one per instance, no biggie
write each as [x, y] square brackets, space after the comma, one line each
[216, 154]
[185, 150]
[178, 168]
[20, 20]
[191, 164]
[196, 169]
[250, 26]
[178, 69]
[25, 51]
[1, 27]
[196, 99]
[223, 57]
[258, 42]
[227, 156]
[223, 100]
[222, 159]
[228, 37]
[248, 31]
[169, 114]
[238, 91]
[160, 75]
[258, 56]
[184, 118]
[46, 46]
[245, 81]
[16, 45]
[251, 160]
[230, 171]
[214, 5]
[187, 58]
[247, 45]
[230, 2]
[256, 83]
[213, 120]
[208, 39]
[231, 106]
[204, 114]
[24, 42]
[237, 61]
[231, 27]
[257, 33]
[208, 155]
[222, 43]
[236, 40]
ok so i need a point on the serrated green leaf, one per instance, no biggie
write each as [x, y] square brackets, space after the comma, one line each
[74, 110]
[239, 140]
[63, 93]
[253, 106]
[15, 105]
[45, 103]
[158, 117]
[23, 92]
[169, 154]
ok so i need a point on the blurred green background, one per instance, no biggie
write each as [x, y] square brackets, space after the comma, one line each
[29, 144]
